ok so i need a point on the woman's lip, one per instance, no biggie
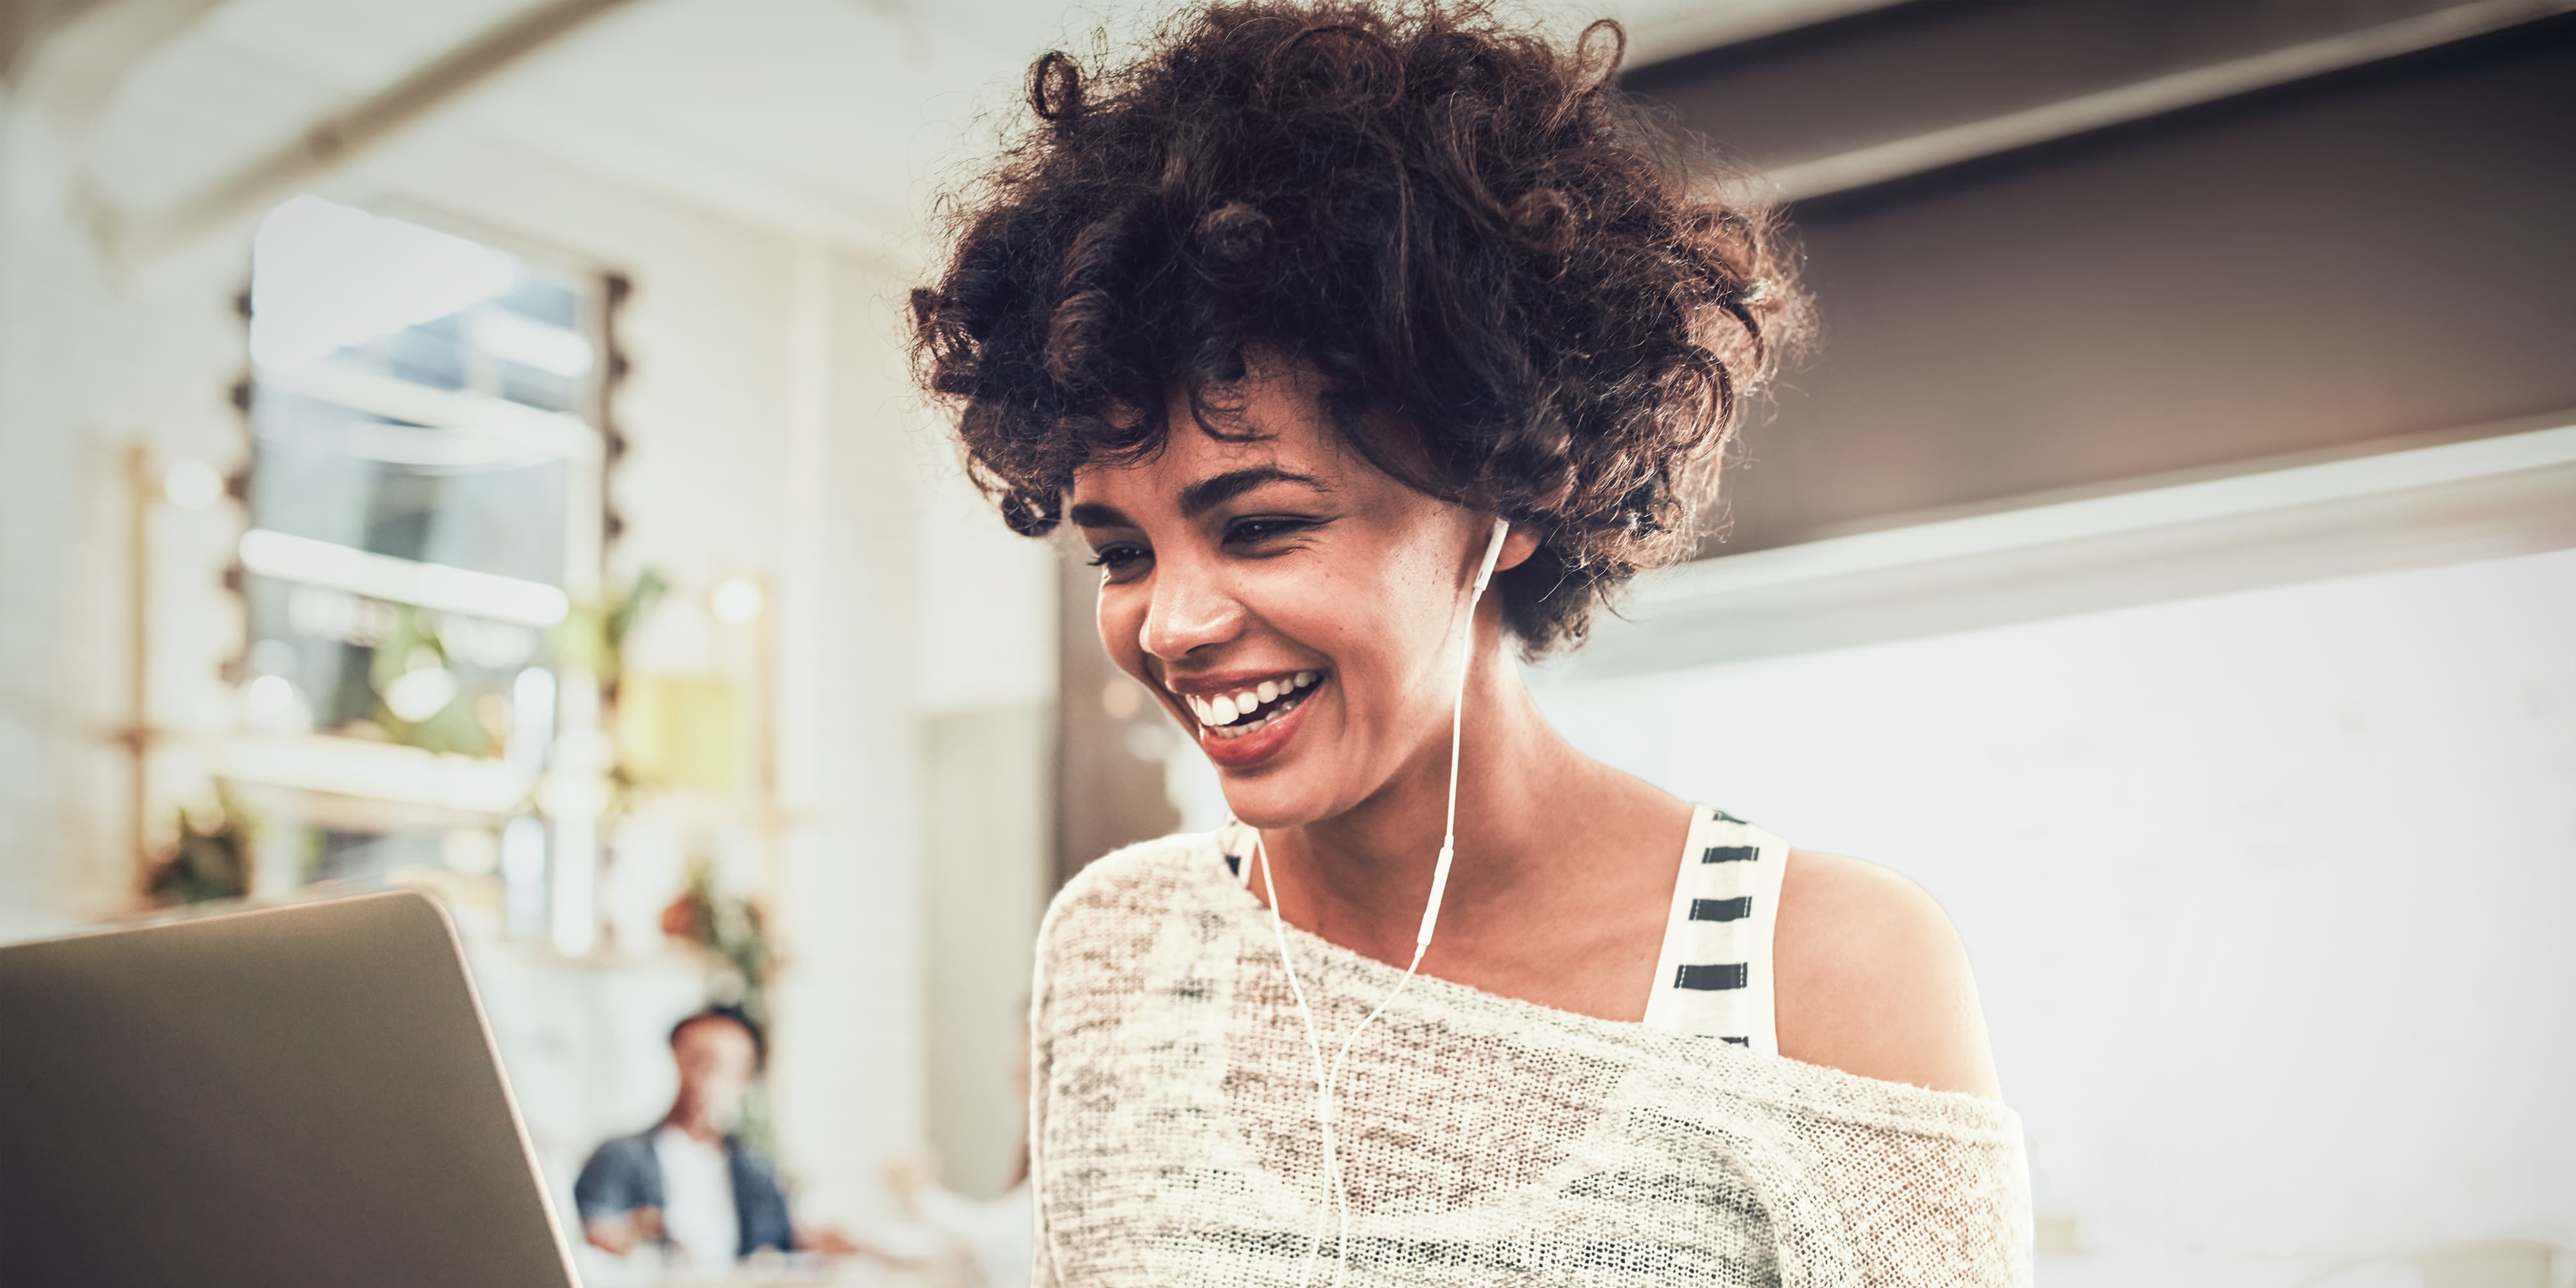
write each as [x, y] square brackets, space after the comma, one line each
[1247, 751]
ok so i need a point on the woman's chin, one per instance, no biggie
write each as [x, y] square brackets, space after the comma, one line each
[1281, 797]
[1259, 809]
[1283, 773]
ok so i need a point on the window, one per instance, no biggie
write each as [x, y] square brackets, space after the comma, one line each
[426, 507]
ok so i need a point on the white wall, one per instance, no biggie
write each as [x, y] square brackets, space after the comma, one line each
[2268, 893]
[987, 594]
[986, 694]
[98, 357]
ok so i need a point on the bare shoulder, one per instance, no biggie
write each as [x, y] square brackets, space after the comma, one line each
[1871, 978]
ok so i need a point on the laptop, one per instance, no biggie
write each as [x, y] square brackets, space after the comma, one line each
[296, 1095]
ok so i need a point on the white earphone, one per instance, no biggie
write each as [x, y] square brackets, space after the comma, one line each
[1325, 1079]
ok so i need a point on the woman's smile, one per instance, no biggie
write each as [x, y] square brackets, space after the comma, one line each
[1244, 720]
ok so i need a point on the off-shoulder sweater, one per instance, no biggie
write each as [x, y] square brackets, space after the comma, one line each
[1485, 1140]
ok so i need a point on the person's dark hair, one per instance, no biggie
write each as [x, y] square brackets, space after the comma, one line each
[731, 1014]
[1452, 219]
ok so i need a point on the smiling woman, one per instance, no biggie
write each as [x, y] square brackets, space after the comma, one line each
[1308, 318]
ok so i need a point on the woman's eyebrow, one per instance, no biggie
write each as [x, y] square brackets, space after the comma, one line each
[1200, 497]
[1092, 514]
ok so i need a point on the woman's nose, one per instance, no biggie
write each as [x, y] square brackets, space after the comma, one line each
[1189, 610]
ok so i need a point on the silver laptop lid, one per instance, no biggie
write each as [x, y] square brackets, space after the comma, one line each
[295, 1095]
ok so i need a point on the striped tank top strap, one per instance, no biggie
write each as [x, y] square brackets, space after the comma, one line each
[1234, 845]
[1714, 975]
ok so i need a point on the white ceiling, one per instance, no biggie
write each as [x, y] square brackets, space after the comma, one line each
[823, 117]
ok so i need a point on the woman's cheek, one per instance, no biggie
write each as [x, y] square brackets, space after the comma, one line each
[1120, 619]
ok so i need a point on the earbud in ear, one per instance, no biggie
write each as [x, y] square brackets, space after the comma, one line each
[1493, 554]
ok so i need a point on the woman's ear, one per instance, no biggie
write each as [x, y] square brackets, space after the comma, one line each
[1518, 545]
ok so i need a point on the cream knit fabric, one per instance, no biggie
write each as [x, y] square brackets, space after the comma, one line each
[1487, 1140]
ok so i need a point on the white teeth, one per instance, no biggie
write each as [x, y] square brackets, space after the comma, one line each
[1241, 728]
[1229, 715]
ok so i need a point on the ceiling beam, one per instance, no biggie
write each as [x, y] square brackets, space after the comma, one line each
[68, 56]
[1937, 149]
[23, 23]
[336, 139]
[1704, 27]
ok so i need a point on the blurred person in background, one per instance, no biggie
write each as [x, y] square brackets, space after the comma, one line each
[1308, 317]
[689, 1185]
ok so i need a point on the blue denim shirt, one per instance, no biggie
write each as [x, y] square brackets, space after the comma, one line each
[624, 1175]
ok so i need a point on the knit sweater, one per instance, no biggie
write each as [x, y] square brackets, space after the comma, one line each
[1485, 1140]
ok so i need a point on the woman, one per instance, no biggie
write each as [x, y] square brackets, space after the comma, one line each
[1306, 317]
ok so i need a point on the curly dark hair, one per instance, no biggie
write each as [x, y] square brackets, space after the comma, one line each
[1449, 217]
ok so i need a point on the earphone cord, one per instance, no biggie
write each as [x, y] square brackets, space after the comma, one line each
[1323, 1097]
[1326, 1081]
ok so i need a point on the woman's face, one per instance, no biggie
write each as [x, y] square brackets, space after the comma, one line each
[1292, 606]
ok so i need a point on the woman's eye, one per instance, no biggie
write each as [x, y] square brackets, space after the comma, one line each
[1256, 531]
[1115, 559]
